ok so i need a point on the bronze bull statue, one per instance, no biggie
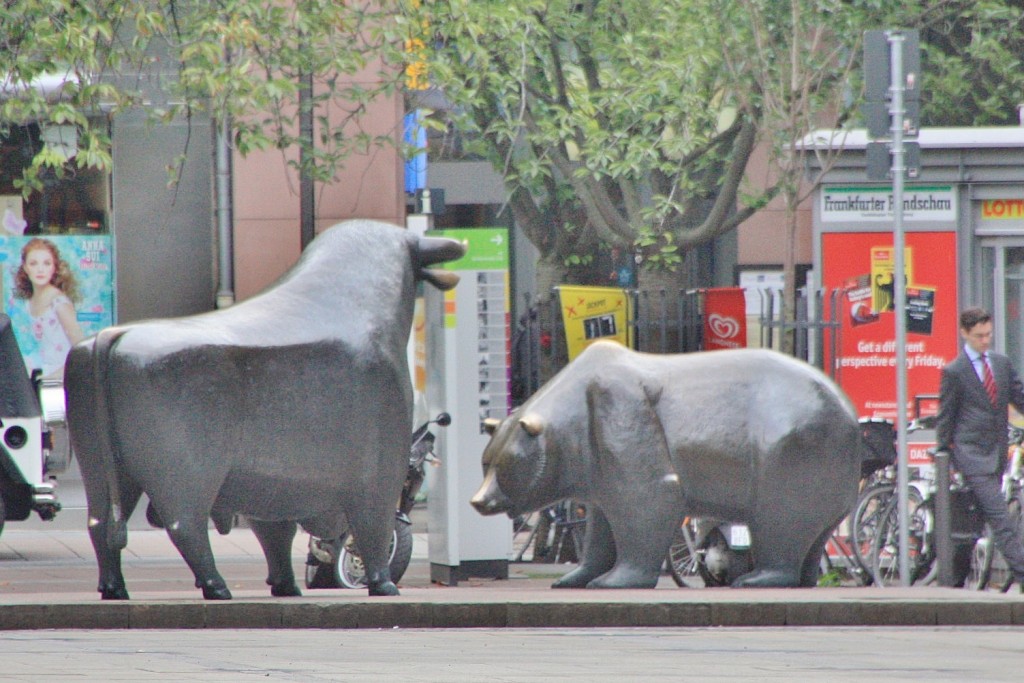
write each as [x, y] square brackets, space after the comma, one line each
[748, 436]
[293, 406]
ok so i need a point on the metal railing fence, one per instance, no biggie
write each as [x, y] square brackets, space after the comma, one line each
[659, 325]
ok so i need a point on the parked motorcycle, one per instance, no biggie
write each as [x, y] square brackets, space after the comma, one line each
[337, 563]
[34, 447]
[724, 553]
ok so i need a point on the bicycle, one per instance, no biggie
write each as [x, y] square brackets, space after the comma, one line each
[683, 559]
[849, 552]
[840, 559]
[987, 567]
[967, 527]
[553, 535]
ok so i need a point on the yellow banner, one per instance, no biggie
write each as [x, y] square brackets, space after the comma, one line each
[592, 313]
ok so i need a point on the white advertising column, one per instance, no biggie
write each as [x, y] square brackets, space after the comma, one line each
[468, 375]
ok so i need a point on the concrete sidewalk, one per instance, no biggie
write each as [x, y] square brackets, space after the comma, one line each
[48, 579]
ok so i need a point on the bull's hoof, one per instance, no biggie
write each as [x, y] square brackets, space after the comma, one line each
[113, 593]
[383, 588]
[285, 590]
[768, 578]
[215, 590]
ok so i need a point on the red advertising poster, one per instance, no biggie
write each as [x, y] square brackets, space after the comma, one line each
[725, 318]
[860, 265]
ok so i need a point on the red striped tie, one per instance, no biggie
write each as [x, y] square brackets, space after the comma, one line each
[989, 381]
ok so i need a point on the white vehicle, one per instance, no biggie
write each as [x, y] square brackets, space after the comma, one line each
[33, 436]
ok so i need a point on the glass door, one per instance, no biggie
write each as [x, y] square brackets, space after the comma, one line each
[1002, 278]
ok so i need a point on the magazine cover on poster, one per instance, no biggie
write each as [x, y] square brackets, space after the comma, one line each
[90, 262]
[861, 267]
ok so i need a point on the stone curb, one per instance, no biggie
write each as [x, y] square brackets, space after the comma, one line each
[276, 614]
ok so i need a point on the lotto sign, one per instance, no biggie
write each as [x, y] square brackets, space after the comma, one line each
[592, 313]
[1002, 209]
[725, 318]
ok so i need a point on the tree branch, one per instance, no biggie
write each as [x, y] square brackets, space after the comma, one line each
[723, 215]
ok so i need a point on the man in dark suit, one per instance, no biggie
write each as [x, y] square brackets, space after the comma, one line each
[972, 423]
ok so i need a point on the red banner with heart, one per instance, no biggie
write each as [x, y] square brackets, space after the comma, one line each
[725, 318]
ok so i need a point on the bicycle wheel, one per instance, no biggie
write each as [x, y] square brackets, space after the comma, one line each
[524, 530]
[682, 554]
[349, 570]
[865, 520]
[884, 559]
[980, 572]
[999, 572]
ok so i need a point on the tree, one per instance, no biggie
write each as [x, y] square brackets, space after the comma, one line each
[971, 76]
[243, 61]
[614, 124]
[971, 56]
[794, 66]
[626, 125]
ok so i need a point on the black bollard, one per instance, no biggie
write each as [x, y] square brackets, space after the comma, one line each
[943, 533]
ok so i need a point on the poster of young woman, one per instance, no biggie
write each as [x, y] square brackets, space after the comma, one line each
[57, 290]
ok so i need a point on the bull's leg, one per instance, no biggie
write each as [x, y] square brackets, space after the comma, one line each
[109, 538]
[191, 537]
[598, 552]
[372, 530]
[276, 539]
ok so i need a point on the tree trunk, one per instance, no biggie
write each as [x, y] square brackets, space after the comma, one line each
[787, 342]
[552, 353]
[660, 325]
[550, 273]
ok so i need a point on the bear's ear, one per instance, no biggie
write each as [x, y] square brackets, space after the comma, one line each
[532, 424]
[491, 425]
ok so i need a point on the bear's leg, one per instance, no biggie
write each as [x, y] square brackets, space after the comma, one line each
[807, 483]
[637, 485]
[642, 536]
[811, 571]
[598, 552]
[780, 551]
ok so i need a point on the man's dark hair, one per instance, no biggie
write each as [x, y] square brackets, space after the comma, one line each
[970, 317]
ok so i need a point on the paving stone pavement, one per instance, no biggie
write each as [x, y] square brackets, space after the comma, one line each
[48, 579]
[518, 630]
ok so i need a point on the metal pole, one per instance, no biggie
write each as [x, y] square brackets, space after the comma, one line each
[225, 221]
[899, 296]
[943, 523]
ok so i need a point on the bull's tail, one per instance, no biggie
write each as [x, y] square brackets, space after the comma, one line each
[117, 528]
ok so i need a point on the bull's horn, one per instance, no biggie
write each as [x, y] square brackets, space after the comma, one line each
[438, 250]
[532, 424]
[442, 279]
[491, 425]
